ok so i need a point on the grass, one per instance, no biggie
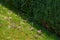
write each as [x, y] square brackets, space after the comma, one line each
[14, 27]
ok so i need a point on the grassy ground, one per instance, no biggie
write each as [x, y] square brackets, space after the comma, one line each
[13, 27]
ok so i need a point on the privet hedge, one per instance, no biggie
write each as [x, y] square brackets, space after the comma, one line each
[43, 11]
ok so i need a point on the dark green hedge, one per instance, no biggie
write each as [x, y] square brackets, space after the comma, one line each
[40, 10]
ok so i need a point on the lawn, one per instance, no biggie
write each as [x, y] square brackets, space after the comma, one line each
[14, 27]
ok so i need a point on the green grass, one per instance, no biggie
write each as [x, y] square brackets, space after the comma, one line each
[14, 27]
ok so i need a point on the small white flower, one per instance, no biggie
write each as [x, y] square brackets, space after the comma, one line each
[31, 28]
[39, 31]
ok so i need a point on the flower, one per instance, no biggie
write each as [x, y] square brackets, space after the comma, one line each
[31, 28]
[39, 31]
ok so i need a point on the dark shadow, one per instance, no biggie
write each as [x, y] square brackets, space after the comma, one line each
[15, 7]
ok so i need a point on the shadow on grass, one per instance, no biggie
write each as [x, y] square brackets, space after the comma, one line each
[15, 8]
